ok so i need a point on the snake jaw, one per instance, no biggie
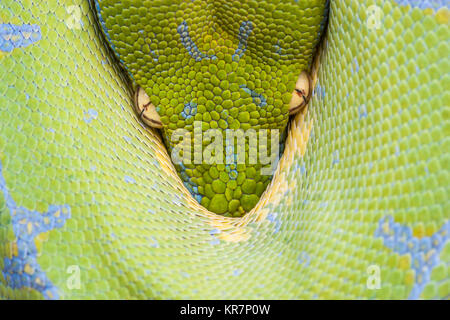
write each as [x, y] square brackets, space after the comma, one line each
[146, 110]
[301, 94]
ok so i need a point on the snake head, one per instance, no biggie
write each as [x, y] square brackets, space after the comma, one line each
[220, 78]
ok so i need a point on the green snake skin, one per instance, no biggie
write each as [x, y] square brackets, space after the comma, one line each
[91, 205]
[196, 68]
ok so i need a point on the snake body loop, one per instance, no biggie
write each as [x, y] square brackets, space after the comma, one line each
[91, 205]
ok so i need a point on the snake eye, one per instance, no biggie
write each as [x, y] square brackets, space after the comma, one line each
[301, 93]
[146, 110]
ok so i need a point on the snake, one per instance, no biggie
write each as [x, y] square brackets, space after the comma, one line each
[94, 206]
[221, 91]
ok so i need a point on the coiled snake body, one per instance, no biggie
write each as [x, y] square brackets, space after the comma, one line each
[91, 205]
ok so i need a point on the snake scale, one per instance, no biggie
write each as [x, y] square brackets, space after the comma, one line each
[93, 207]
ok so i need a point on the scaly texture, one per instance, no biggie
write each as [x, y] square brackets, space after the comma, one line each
[222, 65]
[89, 193]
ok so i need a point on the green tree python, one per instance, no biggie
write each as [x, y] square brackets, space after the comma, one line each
[92, 205]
